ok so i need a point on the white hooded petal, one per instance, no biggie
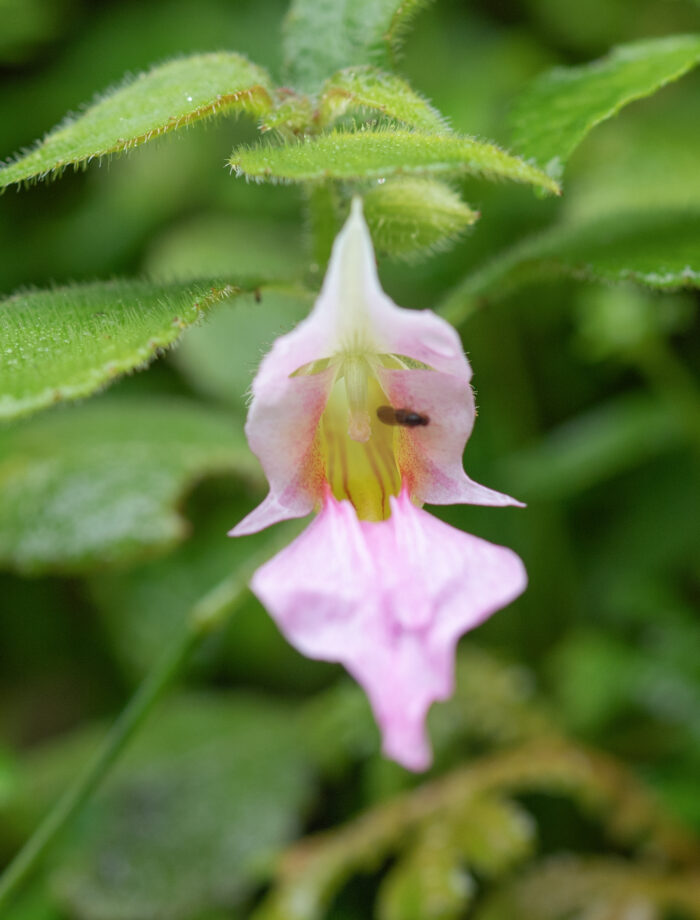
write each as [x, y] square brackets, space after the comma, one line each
[353, 316]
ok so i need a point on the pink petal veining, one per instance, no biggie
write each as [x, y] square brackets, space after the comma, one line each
[353, 310]
[430, 457]
[281, 430]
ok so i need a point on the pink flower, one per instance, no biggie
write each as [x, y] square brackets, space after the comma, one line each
[362, 413]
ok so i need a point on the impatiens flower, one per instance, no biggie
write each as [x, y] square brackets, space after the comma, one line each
[361, 413]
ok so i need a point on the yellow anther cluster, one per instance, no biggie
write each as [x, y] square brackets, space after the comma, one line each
[359, 451]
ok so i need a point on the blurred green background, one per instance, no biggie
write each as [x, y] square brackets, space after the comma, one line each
[589, 410]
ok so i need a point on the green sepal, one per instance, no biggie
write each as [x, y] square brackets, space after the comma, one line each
[410, 217]
[375, 91]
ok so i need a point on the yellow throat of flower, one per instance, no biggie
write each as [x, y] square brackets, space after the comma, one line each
[358, 451]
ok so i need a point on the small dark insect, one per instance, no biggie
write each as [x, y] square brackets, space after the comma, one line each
[257, 294]
[406, 417]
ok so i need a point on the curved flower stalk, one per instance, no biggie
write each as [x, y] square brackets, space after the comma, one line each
[361, 414]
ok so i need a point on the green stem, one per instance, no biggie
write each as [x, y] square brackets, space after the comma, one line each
[322, 209]
[207, 615]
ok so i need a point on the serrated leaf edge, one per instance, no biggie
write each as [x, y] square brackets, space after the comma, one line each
[537, 176]
[241, 100]
[96, 379]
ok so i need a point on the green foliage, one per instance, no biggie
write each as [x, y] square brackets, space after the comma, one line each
[645, 160]
[588, 409]
[431, 881]
[495, 704]
[622, 677]
[217, 245]
[357, 94]
[36, 906]
[654, 248]
[427, 883]
[575, 887]
[496, 835]
[355, 155]
[377, 91]
[226, 770]
[143, 605]
[463, 826]
[322, 36]
[622, 320]
[100, 483]
[465, 820]
[558, 110]
[68, 342]
[168, 97]
[28, 25]
[594, 447]
[465, 807]
[294, 114]
[220, 356]
[412, 217]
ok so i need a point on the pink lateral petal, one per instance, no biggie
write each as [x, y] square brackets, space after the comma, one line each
[281, 429]
[389, 600]
[352, 311]
[430, 456]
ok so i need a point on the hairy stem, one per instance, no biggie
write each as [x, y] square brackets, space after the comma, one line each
[323, 219]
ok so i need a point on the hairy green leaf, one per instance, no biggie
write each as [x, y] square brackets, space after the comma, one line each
[655, 248]
[560, 107]
[322, 36]
[380, 92]
[101, 483]
[377, 154]
[294, 114]
[68, 342]
[413, 216]
[163, 99]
